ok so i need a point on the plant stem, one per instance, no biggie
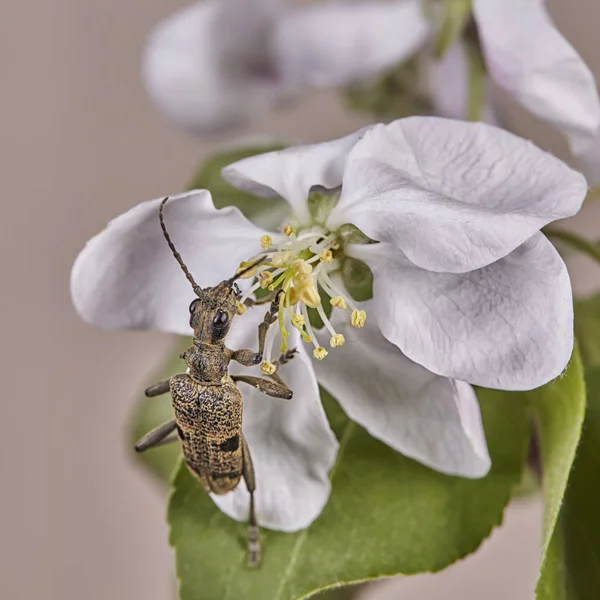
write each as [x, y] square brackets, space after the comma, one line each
[576, 242]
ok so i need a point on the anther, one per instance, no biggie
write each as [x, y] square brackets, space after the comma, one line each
[297, 320]
[326, 256]
[266, 241]
[240, 308]
[265, 278]
[320, 353]
[288, 230]
[358, 318]
[338, 302]
[337, 340]
[268, 368]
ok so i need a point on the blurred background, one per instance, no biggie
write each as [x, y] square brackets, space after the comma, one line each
[81, 143]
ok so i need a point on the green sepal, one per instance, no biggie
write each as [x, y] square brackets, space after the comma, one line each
[265, 212]
[559, 409]
[357, 278]
[387, 515]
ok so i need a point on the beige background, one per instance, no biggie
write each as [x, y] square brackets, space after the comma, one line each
[80, 143]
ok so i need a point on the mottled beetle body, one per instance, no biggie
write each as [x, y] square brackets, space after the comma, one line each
[207, 402]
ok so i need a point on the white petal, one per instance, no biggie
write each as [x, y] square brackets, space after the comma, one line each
[453, 196]
[506, 326]
[206, 71]
[126, 276]
[290, 173]
[432, 419]
[337, 43]
[589, 163]
[527, 56]
[291, 443]
[448, 82]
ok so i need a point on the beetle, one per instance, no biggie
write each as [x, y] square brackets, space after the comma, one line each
[206, 400]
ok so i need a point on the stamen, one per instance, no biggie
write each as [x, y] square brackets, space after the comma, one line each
[240, 308]
[320, 353]
[266, 241]
[265, 279]
[268, 368]
[326, 256]
[309, 329]
[297, 320]
[288, 230]
[337, 340]
[338, 302]
[358, 318]
[282, 329]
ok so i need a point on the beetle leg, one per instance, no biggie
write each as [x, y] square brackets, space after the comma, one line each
[250, 302]
[156, 437]
[266, 386]
[253, 530]
[162, 387]
[246, 356]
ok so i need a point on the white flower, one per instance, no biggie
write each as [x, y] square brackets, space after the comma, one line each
[465, 289]
[221, 63]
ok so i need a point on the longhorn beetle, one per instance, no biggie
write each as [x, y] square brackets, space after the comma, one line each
[206, 399]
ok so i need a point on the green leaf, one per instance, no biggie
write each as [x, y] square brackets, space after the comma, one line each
[152, 412]
[387, 514]
[559, 409]
[580, 515]
[587, 330]
[266, 212]
[456, 16]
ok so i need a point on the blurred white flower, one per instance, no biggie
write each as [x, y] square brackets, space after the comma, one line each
[219, 64]
[465, 289]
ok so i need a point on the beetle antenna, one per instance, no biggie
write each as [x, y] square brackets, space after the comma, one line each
[246, 269]
[197, 289]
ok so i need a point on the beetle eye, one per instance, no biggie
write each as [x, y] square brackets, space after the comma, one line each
[221, 318]
[194, 304]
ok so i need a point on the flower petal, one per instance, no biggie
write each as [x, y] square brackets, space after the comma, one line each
[448, 82]
[292, 445]
[126, 276]
[205, 66]
[529, 58]
[507, 326]
[453, 196]
[290, 173]
[337, 43]
[432, 419]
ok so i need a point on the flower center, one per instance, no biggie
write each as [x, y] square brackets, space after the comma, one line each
[299, 271]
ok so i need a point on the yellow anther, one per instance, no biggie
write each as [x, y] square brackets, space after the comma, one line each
[240, 308]
[302, 267]
[337, 340]
[265, 278]
[338, 302]
[268, 368]
[358, 318]
[326, 256]
[281, 258]
[320, 353]
[266, 241]
[298, 320]
[247, 274]
[309, 295]
[288, 230]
